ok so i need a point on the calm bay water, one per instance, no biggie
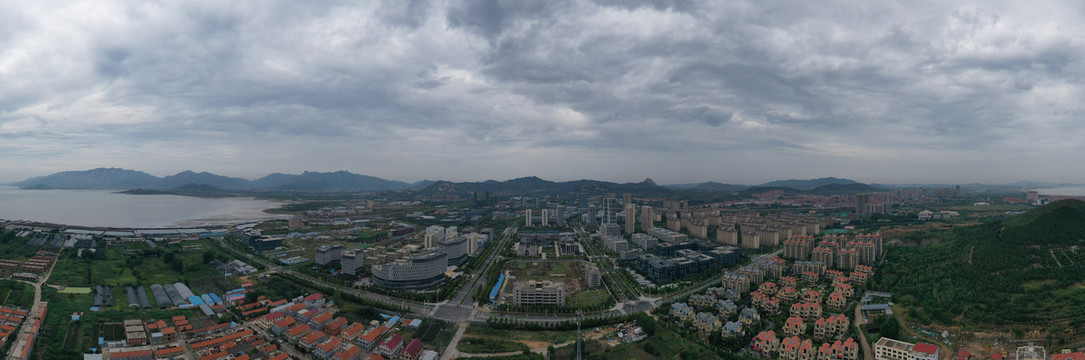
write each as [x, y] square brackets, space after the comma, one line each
[1067, 191]
[107, 209]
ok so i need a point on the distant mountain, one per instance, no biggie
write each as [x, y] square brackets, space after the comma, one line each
[203, 178]
[843, 189]
[419, 185]
[533, 185]
[100, 178]
[336, 181]
[113, 178]
[808, 184]
[709, 186]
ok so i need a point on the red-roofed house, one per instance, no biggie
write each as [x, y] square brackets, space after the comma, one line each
[350, 352]
[390, 348]
[169, 353]
[319, 321]
[352, 332]
[375, 357]
[282, 324]
[131, 355]
[327, 348]
[281, 356]
[335, 326]
[924, 351]
[370, 338]
[270, 318]
[309, 341]
[412, 350]
[1068, 356]
[297, 331]
[315, 300]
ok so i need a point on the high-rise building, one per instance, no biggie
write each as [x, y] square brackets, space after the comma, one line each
[630, 219]
[325, 254]
[545, 217]
[559, 212]
[352, 261]
[647, 218]
[610, 210]
[627, 199]
[527, 218]
[592, 277]
[862, 204]
[592, 212]
[433, 235]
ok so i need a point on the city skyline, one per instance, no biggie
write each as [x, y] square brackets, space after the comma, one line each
[684, 92]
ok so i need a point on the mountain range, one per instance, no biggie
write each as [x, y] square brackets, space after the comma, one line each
[188, 181]
[114, 178]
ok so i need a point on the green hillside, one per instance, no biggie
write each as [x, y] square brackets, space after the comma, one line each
[1058, 223]
[1028, 276]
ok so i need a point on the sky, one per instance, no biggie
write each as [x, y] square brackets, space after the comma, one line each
[617, 90]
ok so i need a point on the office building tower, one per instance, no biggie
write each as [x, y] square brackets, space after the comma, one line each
[627, 199]
[610, 211]
[527, 218]
[544, 217]
[630, 219]
[647, 218]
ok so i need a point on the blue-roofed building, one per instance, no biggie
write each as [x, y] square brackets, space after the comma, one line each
[215, 298]
[195, 300]
[207, 299]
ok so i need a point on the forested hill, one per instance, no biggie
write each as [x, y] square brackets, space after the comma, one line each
[1058, 223]
[1018, 272]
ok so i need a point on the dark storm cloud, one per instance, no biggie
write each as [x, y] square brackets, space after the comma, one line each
[568, 89]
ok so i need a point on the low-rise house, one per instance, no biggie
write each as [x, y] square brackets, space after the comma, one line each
[726, 308]
[749, 316]
[412, 351]
[391, 347]
[766, 343]
[733, 329]
[327, 348]
[794, 326]
[837, 301]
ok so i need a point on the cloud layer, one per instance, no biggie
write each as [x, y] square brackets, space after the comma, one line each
[679, 91]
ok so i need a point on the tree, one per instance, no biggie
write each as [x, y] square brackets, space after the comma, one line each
[890, 327]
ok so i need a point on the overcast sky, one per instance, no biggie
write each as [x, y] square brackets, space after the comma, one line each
[619, 90]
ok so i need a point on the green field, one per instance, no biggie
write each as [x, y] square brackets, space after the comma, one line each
[76, 290]
[554, 337]
[134, 264]
[15, 293]
[589, 298]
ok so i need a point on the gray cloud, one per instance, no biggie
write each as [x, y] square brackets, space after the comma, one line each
[675, 90]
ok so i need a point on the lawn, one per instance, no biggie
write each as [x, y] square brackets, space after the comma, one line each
[473, 345]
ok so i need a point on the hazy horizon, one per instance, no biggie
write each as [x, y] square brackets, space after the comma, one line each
[679, 91]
